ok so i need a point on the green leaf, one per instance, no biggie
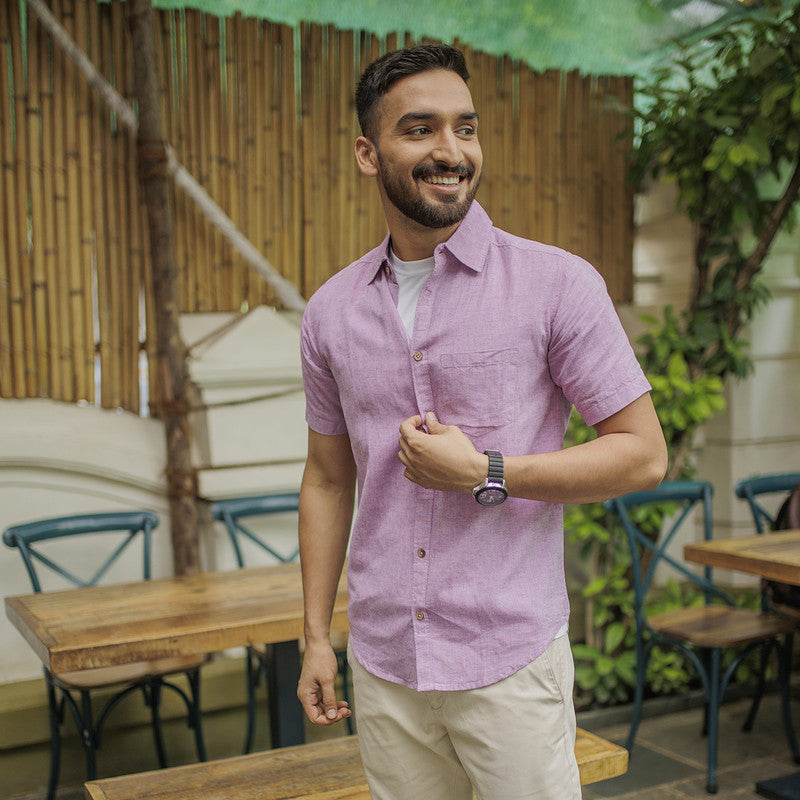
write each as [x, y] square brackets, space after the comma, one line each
[615, 636]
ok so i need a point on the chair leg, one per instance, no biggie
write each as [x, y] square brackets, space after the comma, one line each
[253, 669]
[713, 719]
[195, 714]
[55, 718]
[642, 657]
[784, 676]
[759, 690]
[87, 734]
[152, 694]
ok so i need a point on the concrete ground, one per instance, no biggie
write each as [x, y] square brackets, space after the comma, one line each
[668, 760]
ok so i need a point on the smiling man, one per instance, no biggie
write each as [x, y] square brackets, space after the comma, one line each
[440, 370]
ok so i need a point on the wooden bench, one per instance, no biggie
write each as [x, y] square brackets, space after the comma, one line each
[325, 770]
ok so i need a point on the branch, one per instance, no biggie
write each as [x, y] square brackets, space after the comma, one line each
[754, 261]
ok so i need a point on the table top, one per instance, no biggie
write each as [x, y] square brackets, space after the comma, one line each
[102, 626]
[775, 556]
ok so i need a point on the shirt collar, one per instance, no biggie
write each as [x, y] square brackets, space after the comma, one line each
[469, 244]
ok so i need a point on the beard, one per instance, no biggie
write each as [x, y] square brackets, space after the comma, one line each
[406, 197]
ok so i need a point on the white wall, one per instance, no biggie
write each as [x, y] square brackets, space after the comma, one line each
[58, 459]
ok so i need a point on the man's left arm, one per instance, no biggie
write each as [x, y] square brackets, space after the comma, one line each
[629, 454]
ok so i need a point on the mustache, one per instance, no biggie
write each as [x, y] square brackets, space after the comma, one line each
[431, 170]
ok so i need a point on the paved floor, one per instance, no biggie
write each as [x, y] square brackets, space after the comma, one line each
[668, 761]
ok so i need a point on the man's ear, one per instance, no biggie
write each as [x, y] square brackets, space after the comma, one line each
[367, 157]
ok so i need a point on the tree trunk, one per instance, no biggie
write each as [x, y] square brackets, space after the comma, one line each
[171, 352]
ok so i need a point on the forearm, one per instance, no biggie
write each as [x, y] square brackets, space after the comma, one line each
[628, 455]
[326, 510]
[607, 467]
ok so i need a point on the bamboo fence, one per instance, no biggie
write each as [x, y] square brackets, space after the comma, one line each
[262, 116]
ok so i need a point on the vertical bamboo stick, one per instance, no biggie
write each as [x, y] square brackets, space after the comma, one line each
[291, 158]
[213, 120]
[200, 121]
[106, 198]
[196, 267]
[8, 211]
[22, 312]
[42, 343]
[84, 188]
[78, 305]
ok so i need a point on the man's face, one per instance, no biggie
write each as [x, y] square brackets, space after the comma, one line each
[426, 145]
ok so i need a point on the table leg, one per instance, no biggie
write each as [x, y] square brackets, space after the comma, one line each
[286, 714]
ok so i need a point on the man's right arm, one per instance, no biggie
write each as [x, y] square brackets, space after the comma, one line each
[327, 496]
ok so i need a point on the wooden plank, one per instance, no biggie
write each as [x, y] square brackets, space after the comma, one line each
[327, 770]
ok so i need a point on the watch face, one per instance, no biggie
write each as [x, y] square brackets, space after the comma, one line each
[491, 496]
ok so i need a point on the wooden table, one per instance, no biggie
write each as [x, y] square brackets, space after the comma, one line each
[102, 626]
[775, 556]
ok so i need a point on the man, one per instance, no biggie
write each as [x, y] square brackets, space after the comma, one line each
[465, 339]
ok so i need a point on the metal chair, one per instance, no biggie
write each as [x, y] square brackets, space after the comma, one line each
[259, 659]
[116, 533]
[702, 632]
[757, 486]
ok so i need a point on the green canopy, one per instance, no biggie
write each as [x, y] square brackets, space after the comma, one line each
[611, 37]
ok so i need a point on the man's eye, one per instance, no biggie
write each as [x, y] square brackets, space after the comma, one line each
[467, 131]
[420, 131]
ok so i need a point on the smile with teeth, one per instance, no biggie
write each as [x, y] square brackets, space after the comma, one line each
[443, 180]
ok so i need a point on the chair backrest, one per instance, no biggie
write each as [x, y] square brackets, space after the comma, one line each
[122, 527]
[232, 512]
[760, 485]
[683, 496]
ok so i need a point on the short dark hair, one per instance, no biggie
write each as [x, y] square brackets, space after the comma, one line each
[385, 71]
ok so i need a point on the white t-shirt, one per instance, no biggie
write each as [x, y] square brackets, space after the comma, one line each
[411, 277]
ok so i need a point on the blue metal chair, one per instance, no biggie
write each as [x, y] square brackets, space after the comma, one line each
[116, 533]
[757, 486]
[700, 632]
[260, 658]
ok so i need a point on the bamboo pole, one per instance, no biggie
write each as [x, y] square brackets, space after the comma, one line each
[42, 343]
[22, 314]
[7, 214]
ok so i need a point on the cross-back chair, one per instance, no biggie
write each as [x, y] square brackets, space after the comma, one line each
[757, 487]
[701, 632]
[45, 558]
[238, 516]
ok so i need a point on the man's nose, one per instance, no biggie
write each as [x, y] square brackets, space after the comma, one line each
[447, 149]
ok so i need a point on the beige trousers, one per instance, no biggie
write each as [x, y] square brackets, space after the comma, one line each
[513, 740]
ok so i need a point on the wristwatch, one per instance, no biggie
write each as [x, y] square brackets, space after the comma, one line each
[491, 491]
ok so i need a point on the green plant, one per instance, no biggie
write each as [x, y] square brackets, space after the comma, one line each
[721, 121]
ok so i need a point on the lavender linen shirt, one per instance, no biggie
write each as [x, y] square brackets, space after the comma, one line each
[444, 593]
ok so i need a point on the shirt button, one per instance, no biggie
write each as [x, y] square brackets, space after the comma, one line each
[418, 356]
[387, 269]
[420, 615]
[421, 553]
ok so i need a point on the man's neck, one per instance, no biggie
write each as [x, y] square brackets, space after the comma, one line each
[413, 242]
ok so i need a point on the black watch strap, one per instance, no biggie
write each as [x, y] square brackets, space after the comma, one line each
[495, 465]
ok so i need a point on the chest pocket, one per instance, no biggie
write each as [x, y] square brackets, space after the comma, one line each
[477, 390]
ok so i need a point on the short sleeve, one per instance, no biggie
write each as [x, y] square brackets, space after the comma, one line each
[590, 356]
[323, 405]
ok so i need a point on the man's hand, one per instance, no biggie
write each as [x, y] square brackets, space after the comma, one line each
[442, 458]
[315, 688]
